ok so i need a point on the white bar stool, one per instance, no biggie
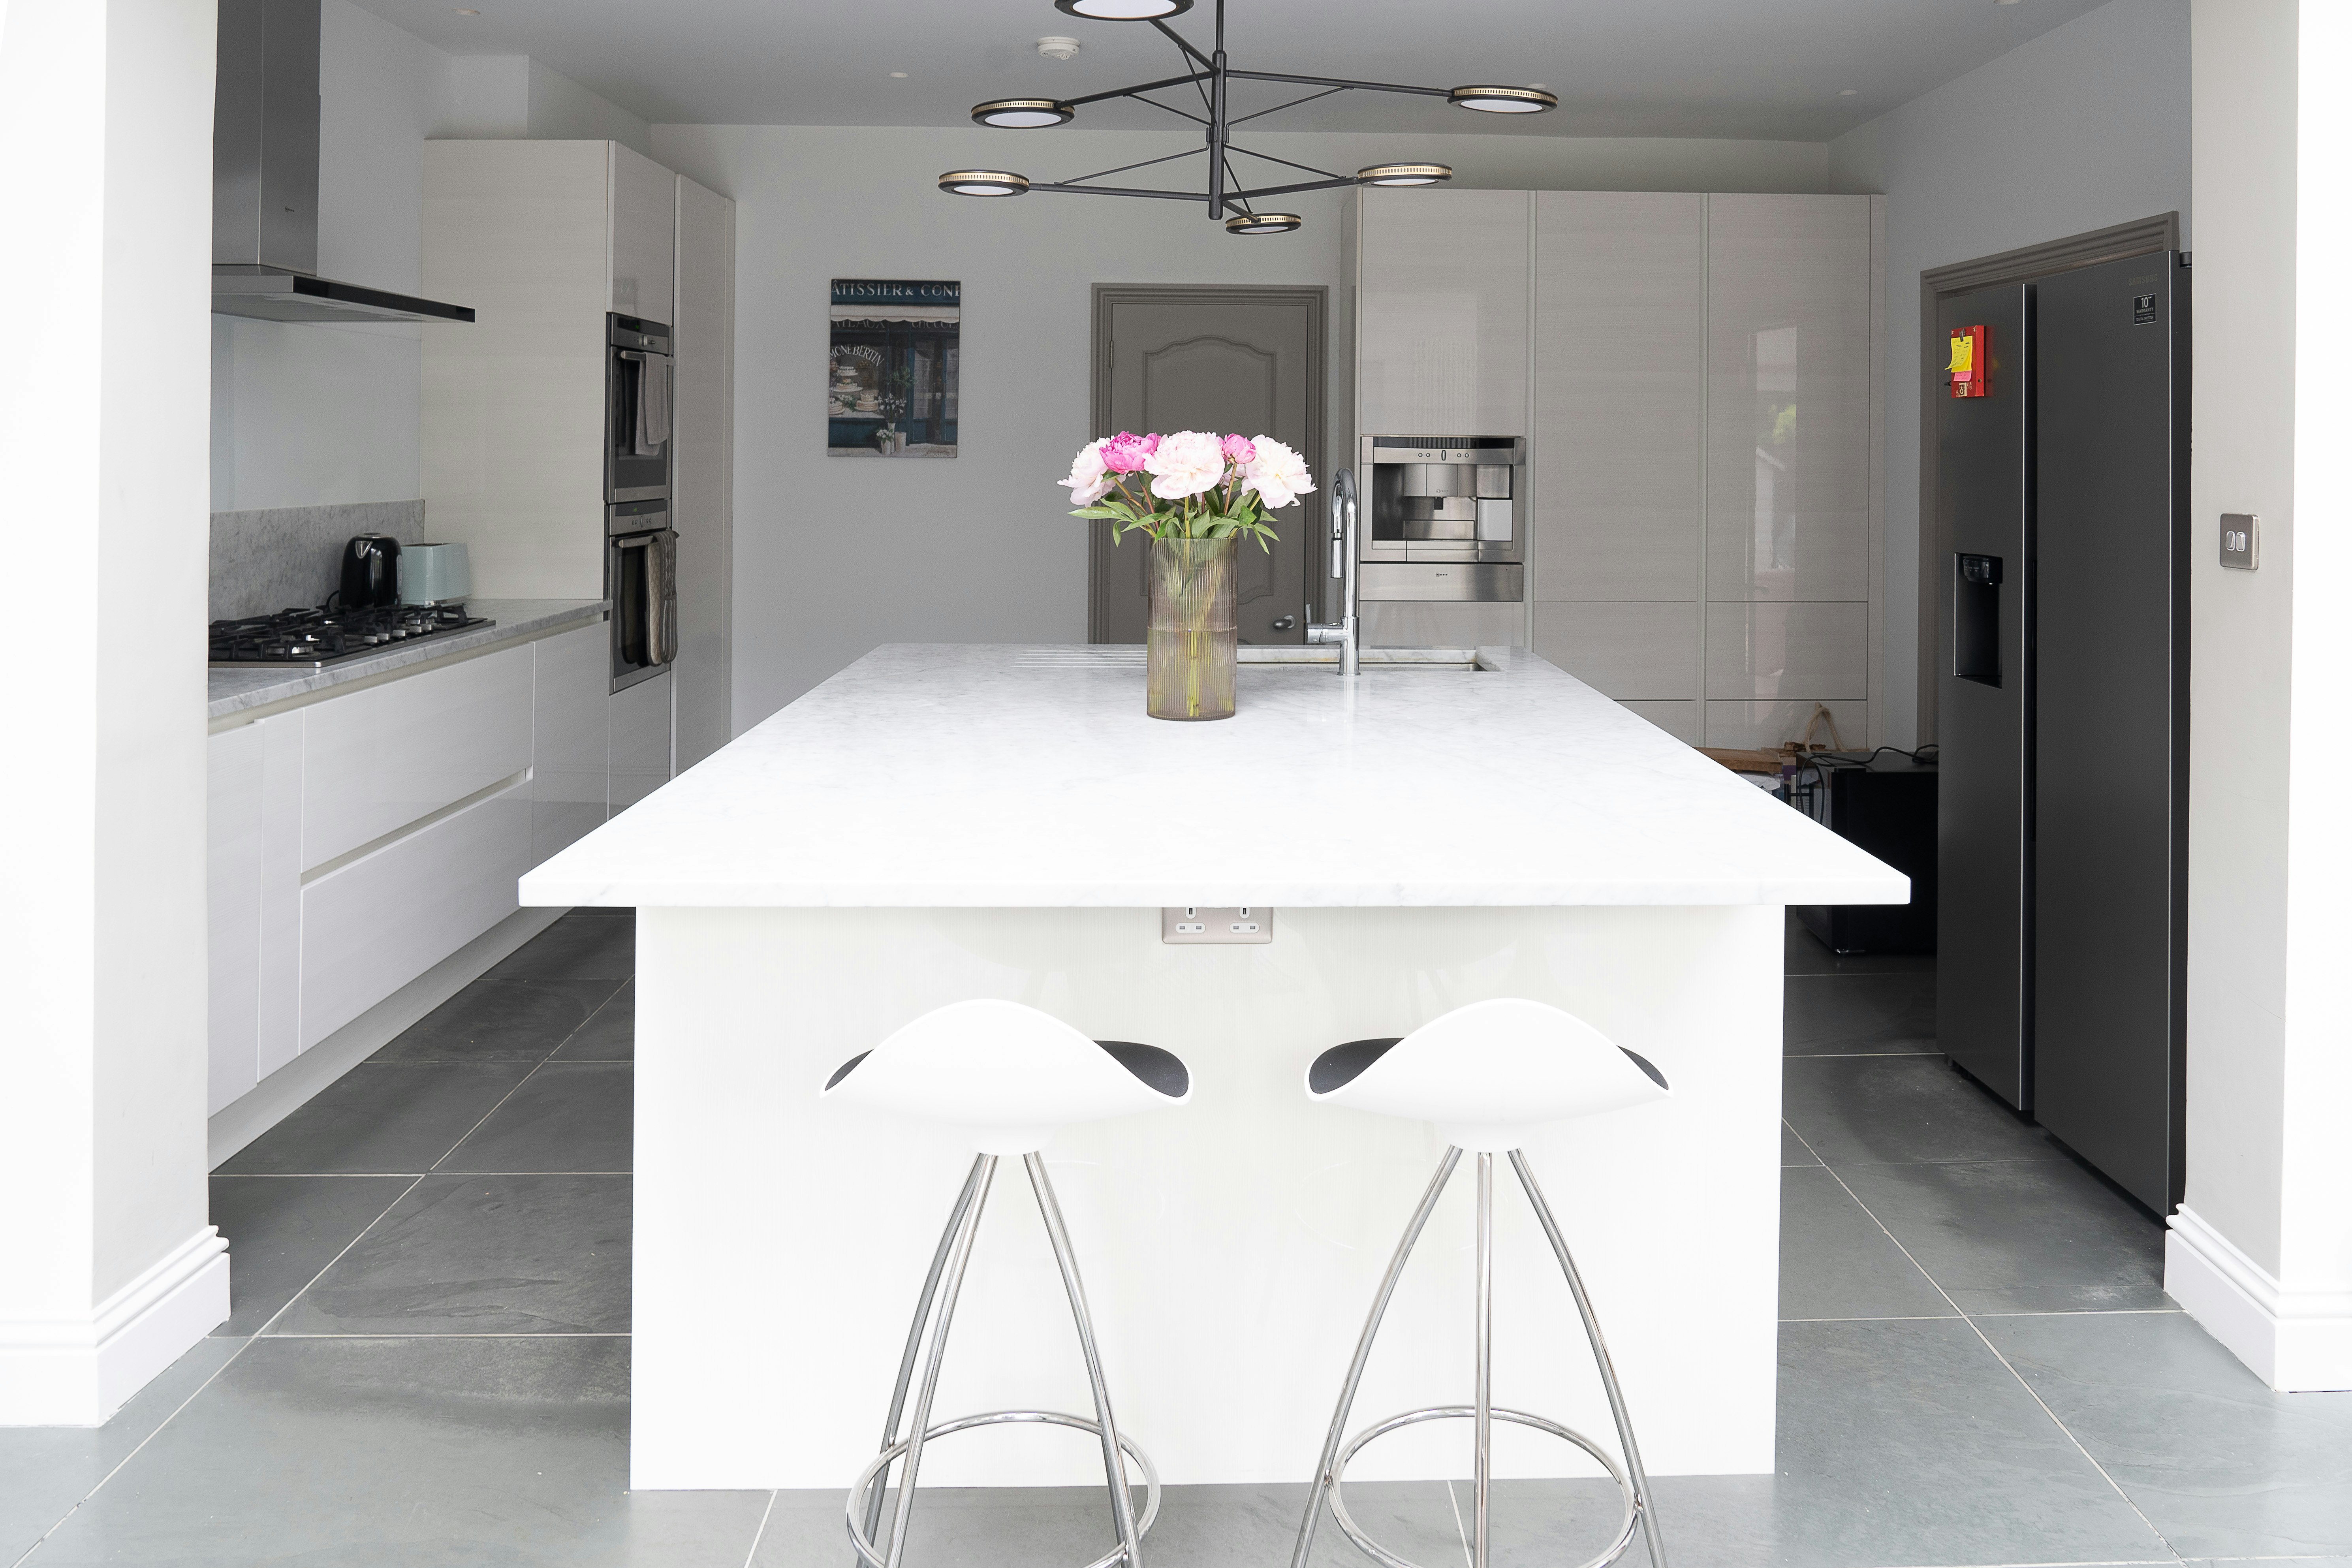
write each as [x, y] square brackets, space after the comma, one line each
[1008, 1076]
[1486, 1074]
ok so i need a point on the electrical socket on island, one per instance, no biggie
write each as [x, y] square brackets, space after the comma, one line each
[1196, 925]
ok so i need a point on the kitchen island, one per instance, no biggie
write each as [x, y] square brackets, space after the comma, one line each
[940, 822]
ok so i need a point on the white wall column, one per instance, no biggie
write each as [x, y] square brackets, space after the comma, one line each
[2261, 1251]
[107, 1268]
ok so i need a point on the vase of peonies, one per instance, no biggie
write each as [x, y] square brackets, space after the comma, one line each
[1195, 496]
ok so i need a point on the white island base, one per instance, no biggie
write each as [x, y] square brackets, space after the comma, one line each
[1230, 1249]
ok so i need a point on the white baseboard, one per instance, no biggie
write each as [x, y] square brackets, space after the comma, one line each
[76, 1372]
[2298, 1342]
[271, 1100]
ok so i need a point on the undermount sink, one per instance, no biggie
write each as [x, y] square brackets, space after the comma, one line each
[1463, 661]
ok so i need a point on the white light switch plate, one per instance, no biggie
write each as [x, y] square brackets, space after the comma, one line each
[1199, 926]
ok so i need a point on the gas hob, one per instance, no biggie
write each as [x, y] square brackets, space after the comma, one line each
[312, 639]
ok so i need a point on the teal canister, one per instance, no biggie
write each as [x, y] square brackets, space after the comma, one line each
[435, 574]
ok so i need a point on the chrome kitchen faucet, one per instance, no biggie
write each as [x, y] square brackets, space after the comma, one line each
[1347, 630]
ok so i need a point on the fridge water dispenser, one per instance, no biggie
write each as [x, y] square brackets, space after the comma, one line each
[1976, 619]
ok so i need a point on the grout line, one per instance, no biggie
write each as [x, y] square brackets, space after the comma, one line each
[1461, 1531]
[444, 1172]
[754, 1552]
[546, 1335]
[2031, 1392]
[141, 1447]
[378, 1175]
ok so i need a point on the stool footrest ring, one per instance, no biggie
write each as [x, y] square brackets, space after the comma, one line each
[871, 1553]
[1635, 1504]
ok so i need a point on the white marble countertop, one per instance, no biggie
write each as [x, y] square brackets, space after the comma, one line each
[233, 691]
[991, 777]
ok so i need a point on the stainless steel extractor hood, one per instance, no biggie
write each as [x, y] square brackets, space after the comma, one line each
[265, 178]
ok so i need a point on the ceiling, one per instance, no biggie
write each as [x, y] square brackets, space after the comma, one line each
[1768, 69]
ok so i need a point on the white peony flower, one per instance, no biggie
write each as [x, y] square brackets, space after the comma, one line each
[1089, 481]
[1277, 474]
[1186, 464]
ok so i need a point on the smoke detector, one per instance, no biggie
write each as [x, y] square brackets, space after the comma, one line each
[1058, 49]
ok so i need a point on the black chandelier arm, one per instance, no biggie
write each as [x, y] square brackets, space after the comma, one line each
[1336, 83]
[1116, 191]
[1179, 39]
[1137, 88]
[1181, 113]
[1123, 168]
[1270, 158]
[1239, 197]
[1278, 107]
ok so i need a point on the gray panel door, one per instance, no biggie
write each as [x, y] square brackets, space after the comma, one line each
[1249, 360]
[1984, 852]
[2111, 718]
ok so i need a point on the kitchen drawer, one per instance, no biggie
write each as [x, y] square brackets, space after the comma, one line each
[233, 819]
[1762, 652]
[379, 759]
[1632, 651]
[371, 927]
[568, 737]
[639, 744]
[1394, 623]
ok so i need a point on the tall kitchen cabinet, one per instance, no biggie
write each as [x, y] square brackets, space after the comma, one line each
[1698, 380]
[549, 237]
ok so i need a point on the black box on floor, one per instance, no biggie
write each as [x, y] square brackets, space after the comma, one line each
[1885, 805]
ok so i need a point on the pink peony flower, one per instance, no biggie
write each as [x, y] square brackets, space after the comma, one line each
[1277, 473]
[1089, 481]
[1238, 449]
[1127, 452]
[1186, 464]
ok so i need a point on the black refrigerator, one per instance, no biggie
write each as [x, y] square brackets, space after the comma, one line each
[2061, 837]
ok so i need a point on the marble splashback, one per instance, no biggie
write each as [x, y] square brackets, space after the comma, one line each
[281, 557]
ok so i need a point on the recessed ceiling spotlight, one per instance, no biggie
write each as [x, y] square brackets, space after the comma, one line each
[1404, 174]
[1021, 113]
[983, 183]
[1847, 91]
[1123, 10]
[1058, 49]
[1262, 223]
[898, 75]
[464, 11]
[2004, 2]
[1503, 99]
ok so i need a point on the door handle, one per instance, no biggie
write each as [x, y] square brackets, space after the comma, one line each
[1285, 622]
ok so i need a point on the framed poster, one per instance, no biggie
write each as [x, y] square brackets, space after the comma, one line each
[890, 379]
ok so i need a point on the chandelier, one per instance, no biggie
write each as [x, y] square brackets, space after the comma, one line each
[1228, 200]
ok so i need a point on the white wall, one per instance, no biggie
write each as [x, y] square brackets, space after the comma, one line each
[111, 1267]
[2262, 1250]
[314, 412]
[834, 555]
[2084, 127]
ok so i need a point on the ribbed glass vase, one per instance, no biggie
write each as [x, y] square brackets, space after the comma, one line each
[1189, 637]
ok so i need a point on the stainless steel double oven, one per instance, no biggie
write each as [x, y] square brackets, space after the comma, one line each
[640, 546]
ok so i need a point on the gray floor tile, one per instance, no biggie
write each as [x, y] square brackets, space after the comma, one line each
[2268, 1562]
[2020, 1236]
[1806, 954]
[282, 1230]
[567, 1116]
[1835, 1261]
[380, 1118]
[1900, 1444]
[406, 1454]
[1828, 1015]
[482, 1254]
[2224, 1467]
[1873, 1109]
[45, 1471]
[494, 1020]
[587, 954]
[610, 1037]
[1063, 1527]
[1792, 1148]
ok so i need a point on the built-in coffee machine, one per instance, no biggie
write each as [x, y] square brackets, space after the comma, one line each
[1444, 519]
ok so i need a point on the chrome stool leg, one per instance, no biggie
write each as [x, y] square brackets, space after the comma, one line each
[959, 1255]
[915, 1339]
[1122, 1506]
[1632, 1481]
[1640, 1477]
[1364, 1354]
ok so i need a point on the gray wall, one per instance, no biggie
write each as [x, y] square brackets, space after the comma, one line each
[2084, 127]
[832, 556]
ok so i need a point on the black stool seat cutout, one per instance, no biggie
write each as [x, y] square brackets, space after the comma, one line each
[1342, 1065]
[845, 1068]
[1154, 1068]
